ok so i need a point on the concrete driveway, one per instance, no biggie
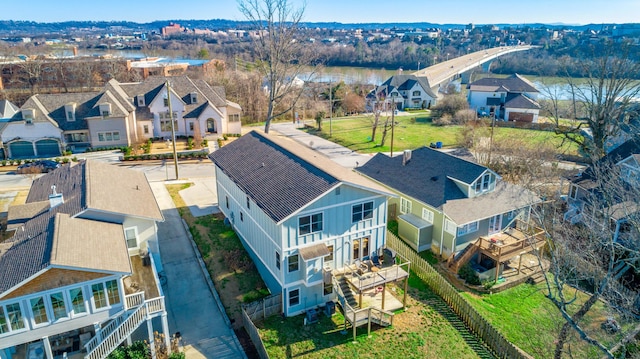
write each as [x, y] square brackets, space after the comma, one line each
[193, 310]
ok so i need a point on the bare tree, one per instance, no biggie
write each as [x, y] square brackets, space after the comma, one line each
[589, 260]
[279, 50]
[605, 99]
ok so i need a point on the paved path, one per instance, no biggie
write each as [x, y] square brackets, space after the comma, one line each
[339, 154]
[192, 308]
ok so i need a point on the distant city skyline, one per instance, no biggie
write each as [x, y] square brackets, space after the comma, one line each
[350, 11]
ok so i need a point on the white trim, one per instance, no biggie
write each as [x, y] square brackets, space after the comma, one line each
[310, 215]
[343, 235]
[137, 237]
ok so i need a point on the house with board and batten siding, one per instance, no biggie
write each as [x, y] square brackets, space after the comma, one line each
[299, 215]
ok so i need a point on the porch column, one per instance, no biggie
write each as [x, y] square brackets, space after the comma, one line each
[152, 344]
[47, 347]
[497, 270]
[360, 298]
[404, 297]
[98, 330]
[384, 290]
[128, 340]
[165, 330]
[519, 263]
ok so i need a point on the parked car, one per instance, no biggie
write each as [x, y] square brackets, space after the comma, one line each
[44, 166]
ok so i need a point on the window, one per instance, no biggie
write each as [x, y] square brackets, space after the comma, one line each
[248, 203]
[416, 93]
[108, 136]
[70, 116]
[482, 184]
[145, 129]
[338, 191]
[328, 288]
[166, 102]
[165, 126]
[77, 301]
[28, 120]
[131, 235]
[293, 263]
[99, 297]
[234, 118]
[361, 211]
[310, 224]
[241, 217]
[449, 226]
[294, 297]
[39, 310]
[405, 205]
[190, 126]
[278, 260]
[468, 228]
[427, 215]
[573, 192]
[226, 198]
[58, 305]
[112, 292]
[329, 257]
[11, 318]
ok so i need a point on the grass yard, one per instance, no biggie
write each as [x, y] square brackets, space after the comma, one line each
[235, 277]
[416, 130]
[529, 320]
[424, 330]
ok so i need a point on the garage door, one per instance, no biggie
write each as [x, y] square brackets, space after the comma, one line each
[47, 148]
[20, 149]
[520, 117]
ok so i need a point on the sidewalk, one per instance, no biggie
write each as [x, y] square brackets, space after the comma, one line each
[192, 308]
[339, 154]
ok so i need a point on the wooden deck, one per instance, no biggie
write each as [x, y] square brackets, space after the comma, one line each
[362, 280]
[511, 243]
[142, 279]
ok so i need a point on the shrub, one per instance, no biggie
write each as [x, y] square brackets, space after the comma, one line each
[468, 274]
[57, 159]
[444, 120]
[74, 159]
[4, 162]
[65, 160]
[18, 162]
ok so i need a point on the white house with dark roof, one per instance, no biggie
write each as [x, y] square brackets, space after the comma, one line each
[406, 91]
[67, 272]
[510, 99]
[122, 114]
[299, 215]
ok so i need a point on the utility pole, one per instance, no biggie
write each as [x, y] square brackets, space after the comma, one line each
[393, 111]
[173, 129]
[330, 109]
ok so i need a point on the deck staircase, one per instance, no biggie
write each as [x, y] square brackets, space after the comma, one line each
[463, 256]
[347, 292]
[112, 335]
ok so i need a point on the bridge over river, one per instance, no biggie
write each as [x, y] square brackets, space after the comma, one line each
[463, 66]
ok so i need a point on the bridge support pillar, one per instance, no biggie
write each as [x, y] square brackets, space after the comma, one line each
[486, 67]
[466, 77]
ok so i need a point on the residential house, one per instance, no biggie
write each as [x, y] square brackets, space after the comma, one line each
[298, 214]
[405, 91]
[120, 115]
[78, 274]
[7, 110]
[509, 99]
[444, 203]
[614, 206]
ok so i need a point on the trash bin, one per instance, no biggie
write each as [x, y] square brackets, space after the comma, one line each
[330, 309]
[438, 144]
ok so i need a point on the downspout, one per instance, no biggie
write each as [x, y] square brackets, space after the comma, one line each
[442, 233]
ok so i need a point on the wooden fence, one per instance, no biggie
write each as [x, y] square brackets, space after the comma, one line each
[259, 310]
[500, 346]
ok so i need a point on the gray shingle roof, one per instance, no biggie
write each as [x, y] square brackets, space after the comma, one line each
[514, 83]
[405, 82]
[7, 109]
[521, 101]
[85, 185]
[425, 176]
[277, 180]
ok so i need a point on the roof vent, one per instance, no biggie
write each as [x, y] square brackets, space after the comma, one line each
[406, 157]
[434, 178]
[55, 198]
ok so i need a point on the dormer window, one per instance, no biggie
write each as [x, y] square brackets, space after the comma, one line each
[483, 184]
[141, 102]
[194, 97]
[105, 109]
[166, 102]
[27, 115]
[70, 111]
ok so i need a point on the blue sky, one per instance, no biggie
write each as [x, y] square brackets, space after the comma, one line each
[346, 11]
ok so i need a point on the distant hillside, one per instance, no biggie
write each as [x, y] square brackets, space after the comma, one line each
[30, 28]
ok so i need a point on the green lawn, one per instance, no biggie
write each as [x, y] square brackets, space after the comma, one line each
[529, 320]
[423, 330]
[416, 130]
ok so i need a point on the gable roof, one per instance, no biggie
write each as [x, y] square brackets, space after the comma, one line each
[521, 101]
[281, 175]
[513, 83]
[55, 237]
[426, 177]
[404, 82]
[7, 109]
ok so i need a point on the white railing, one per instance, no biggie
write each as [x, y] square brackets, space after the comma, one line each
[133, 300]
[101, 348]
